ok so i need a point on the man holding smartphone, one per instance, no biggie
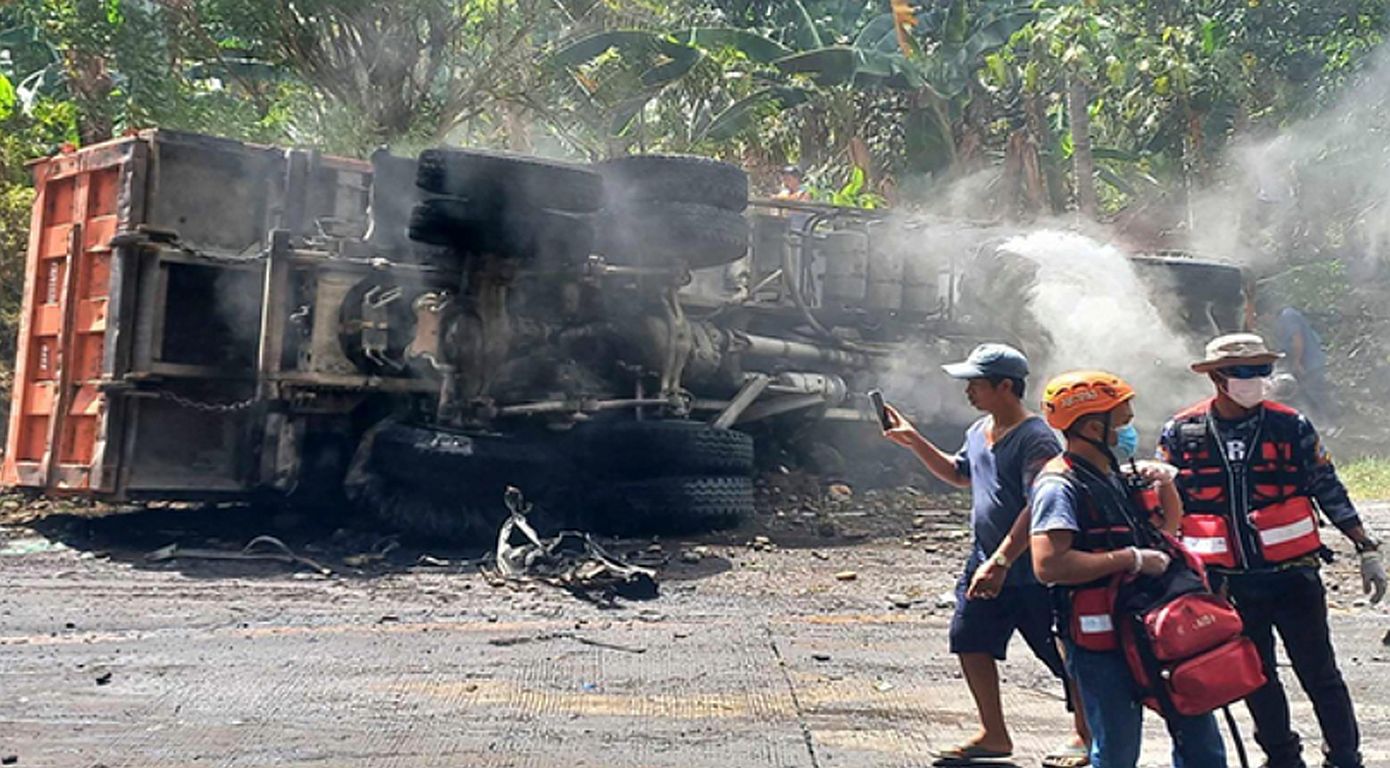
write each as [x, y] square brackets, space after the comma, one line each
[997, 592]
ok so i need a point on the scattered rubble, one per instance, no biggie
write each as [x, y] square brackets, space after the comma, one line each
[695, 555]
[570, 560]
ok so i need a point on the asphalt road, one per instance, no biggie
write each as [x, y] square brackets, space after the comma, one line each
[752, 657]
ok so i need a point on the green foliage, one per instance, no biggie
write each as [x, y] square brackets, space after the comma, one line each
[1367, 479]
[853, 193]
[1314, 286]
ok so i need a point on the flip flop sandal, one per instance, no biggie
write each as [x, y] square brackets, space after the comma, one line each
[1068, 756]
[967, 754]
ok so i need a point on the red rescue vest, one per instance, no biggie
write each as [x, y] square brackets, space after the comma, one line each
[1086, 612]
[1247, 512]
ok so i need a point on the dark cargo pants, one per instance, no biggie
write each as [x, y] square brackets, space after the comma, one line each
[1294, 603]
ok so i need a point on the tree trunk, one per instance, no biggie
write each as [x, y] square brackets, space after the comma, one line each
[90, 84]
[1054, 179]
[1083, 164]
[518, 129]
[812, 139]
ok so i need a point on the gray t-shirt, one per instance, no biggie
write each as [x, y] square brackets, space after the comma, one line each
[1000, 476]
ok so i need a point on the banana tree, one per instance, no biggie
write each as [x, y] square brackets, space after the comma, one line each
[734, 79]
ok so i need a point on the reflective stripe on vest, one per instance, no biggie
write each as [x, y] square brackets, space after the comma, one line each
[1207, 545]
[1285, 533]
[1096, 624]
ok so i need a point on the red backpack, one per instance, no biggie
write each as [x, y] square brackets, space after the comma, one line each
[1183, 644]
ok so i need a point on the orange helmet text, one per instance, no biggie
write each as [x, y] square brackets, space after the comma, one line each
[1072, 395]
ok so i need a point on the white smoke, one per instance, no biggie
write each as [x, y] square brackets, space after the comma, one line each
[1100, 316]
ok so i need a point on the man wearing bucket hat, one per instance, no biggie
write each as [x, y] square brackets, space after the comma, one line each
[1253, 475]
[997, 592]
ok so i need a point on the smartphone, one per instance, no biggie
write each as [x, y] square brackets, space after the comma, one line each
[876, 397]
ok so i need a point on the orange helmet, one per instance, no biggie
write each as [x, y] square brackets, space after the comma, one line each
[1072, 395]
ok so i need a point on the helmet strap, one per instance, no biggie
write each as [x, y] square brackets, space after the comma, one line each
[1103, 444]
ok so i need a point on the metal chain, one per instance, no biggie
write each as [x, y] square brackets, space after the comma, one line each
[232, 407]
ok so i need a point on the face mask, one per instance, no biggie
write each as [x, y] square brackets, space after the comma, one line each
[1126, 442]
[1247, 393]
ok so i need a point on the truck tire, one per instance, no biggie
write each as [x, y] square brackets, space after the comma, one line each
[525, 234]
[674, 179]
[647, 449]
[425, 516]
[510, 180]
[445, 486]
[456, 461]
[662, 234]
[678, 505]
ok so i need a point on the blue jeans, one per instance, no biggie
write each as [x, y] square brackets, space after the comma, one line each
[1116, 717]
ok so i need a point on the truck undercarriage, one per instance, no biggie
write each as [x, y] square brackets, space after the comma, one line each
[212, 319]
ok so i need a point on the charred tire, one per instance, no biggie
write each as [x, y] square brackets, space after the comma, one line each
[648, 449]
[510, 180]
[523, 233]
[674, 179]
[456, 462]
[425, 515]
[661, 234]
[680, 505]
[447, 486]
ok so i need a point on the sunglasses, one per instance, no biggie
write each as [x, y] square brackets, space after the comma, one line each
[1248, 371]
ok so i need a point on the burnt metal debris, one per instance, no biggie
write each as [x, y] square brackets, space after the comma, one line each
[570, 560]
[261, 548]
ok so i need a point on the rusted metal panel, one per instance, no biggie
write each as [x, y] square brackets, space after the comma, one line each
[32, 396]
[104, 327]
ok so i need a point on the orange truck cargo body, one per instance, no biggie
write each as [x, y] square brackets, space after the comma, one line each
[93, 310]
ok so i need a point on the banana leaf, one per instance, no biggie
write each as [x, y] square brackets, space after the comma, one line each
[757, 48]
[741, 113]
[832, 65]
[672, 70]
[626, 41]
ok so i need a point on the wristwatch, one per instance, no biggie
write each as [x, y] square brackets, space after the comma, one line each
[1369, 544]
[999, 559]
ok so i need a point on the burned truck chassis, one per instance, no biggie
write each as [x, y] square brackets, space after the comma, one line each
[288, 345]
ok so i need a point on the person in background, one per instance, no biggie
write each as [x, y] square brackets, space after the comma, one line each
[1249, 471]
[996, 593]
[791, 178]
[1303, 348]
[1085, 532]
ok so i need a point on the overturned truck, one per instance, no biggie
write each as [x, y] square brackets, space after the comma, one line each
[208, 319]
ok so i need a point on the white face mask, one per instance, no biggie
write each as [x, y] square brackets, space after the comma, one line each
[1247, 393]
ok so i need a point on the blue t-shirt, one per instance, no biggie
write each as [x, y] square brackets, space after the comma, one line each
[1054, 505]
[1000, 476]
[1291, 324]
